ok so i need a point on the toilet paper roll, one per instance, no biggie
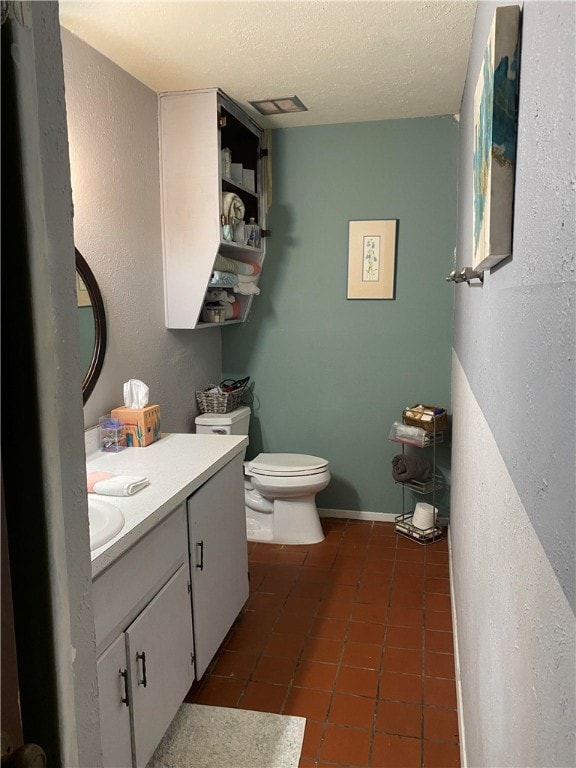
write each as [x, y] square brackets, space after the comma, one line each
[424, 515]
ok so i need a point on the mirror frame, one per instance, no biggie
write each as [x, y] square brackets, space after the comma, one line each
[100, 334]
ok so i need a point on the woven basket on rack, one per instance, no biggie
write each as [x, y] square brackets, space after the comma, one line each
[436, 424]
[216, 402]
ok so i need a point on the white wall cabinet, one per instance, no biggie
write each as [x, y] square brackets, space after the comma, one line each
[218, 559]
[194, 126]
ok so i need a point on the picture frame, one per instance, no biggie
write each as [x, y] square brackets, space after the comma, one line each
[495, 130]
[372, 247]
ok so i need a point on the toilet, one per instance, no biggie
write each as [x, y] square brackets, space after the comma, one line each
[279, 488]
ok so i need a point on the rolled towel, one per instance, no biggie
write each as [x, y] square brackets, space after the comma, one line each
[232, 207]
[248, 278]
[109, 484]
[406, 467]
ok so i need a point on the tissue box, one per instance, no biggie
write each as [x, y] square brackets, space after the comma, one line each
[141, 425]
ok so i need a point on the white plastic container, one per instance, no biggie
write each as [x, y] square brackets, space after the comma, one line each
[234, 423]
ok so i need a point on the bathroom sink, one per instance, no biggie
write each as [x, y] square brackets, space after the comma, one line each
[105, 519]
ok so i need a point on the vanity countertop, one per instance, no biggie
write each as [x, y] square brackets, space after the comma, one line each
[176, 465]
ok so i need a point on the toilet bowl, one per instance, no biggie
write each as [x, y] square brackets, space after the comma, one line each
[280, 496]
[279, 488]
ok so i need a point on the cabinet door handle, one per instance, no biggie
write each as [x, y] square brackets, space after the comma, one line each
[200, 565]
[142, 657]
[126, 698]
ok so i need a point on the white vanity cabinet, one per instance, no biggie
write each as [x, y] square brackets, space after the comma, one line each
[177, 577]
[194, 128]
[144, 626]
[218, 559]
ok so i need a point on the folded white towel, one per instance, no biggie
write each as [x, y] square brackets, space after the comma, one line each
[245, 289]
[108, 484]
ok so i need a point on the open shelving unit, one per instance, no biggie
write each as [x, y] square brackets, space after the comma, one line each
[194, 127]
[429, 487]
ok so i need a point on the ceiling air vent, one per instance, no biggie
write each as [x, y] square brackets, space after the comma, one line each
[283, 105]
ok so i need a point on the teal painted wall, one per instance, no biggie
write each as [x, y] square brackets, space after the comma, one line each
[331, 375]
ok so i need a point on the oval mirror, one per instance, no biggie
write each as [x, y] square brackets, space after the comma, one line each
[92, 322]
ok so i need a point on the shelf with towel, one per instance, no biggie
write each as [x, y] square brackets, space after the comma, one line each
[200, 198]
[421, 476]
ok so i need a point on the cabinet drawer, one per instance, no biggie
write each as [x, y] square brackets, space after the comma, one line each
[120, 592]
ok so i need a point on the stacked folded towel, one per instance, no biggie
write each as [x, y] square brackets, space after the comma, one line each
[109, 484]
[248, 278]
[223, 279]
[237, 267]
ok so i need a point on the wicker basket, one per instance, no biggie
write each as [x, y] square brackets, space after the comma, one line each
[216, 402]
[437, 424]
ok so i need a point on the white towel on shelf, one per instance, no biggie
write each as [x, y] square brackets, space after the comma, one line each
[109, 484]
[224, 279]
[245, 289]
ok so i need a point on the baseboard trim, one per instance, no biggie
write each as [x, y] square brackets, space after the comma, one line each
[461, 732]
[355, 514]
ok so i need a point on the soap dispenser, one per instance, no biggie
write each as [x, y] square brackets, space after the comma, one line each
[253, 233]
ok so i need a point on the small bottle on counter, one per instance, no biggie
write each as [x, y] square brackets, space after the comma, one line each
[253, 233]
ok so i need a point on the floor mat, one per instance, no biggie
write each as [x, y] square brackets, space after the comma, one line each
[220, 737]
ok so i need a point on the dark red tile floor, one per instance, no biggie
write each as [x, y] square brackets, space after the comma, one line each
[355, 635]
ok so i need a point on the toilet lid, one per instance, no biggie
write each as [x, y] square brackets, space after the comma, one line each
[286, 464]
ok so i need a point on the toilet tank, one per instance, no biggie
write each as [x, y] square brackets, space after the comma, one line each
[234, 423]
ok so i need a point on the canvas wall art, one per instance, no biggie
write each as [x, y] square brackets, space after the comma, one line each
[495, 123]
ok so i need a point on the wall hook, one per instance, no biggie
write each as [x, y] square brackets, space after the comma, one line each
[465, 275]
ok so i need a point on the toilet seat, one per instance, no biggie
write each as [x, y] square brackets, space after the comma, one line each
[286, 465]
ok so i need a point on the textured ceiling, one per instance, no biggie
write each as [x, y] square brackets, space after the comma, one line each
[348, 61]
